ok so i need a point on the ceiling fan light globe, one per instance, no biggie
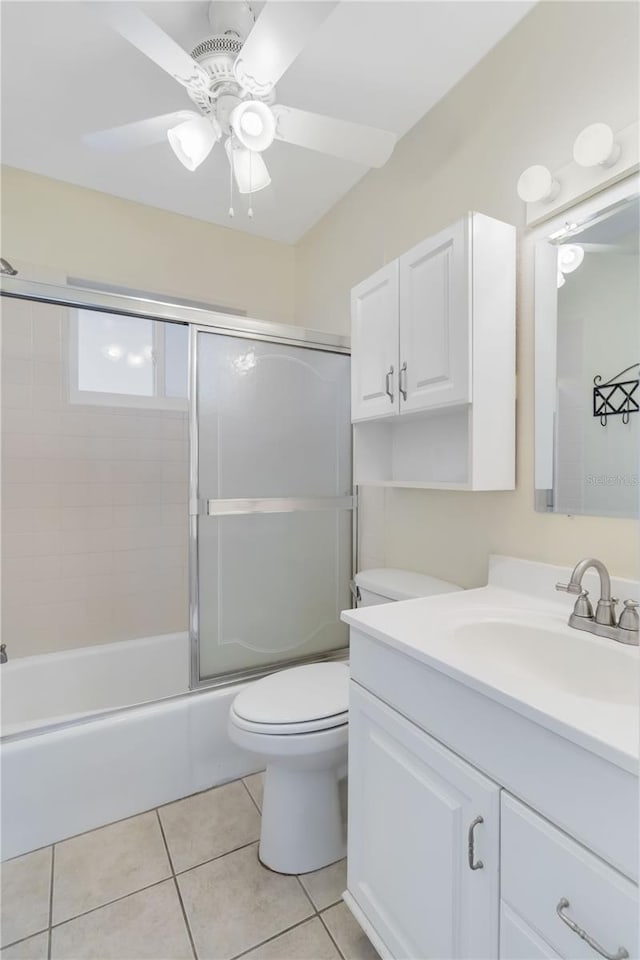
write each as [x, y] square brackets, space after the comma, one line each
[193, 140]
[254, 125]
[249, 169]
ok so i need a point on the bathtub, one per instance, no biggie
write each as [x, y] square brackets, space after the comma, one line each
[74, 755]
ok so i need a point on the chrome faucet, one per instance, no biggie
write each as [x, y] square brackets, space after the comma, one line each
[604, 623]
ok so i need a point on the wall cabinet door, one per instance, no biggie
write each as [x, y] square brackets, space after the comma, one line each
[435, 321]
[412, 804]
[374, 345]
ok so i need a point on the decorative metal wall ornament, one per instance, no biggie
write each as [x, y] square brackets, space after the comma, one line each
[616, 397]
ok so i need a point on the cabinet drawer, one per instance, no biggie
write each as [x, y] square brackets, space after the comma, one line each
[541, 867]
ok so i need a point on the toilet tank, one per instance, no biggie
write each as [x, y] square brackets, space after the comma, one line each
[385, 585]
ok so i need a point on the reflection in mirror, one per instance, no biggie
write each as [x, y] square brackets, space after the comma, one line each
[587, 366]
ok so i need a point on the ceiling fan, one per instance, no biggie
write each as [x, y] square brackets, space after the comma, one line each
[230, 78]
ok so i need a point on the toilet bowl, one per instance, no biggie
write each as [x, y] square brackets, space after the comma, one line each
[297, 721]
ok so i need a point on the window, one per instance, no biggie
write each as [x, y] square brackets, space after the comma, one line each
[128, 361]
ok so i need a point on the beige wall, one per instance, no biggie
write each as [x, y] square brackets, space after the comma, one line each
[84, 233]
[564, 66]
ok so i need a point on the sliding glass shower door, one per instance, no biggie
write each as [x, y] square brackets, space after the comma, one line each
[271, 507]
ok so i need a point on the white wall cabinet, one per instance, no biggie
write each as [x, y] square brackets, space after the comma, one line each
[409, 869]
[374, 336]
[434, 321]
[433, 362]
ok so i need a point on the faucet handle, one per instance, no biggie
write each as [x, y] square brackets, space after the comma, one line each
[583, 606]
[570, 587]
[629, 619]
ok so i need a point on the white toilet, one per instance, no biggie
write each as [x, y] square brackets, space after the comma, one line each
[297, 720]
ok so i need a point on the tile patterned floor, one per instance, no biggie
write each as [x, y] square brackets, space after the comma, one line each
[177, 883]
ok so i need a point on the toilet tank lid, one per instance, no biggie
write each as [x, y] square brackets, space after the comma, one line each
[402, 584]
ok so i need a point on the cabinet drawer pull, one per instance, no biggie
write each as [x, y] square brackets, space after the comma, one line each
[562, 906]
[478, 864]
[388, 384]
[403, 390]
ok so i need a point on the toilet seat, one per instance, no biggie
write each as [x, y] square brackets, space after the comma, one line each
[299, 700]
[289, 729]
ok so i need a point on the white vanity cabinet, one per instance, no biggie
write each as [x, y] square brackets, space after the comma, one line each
[433, 362]
[423, 847]
[428, 757]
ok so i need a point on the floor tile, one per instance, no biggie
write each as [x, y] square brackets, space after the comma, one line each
[147, 925]
[94, 868]
[209, 824]
[326, 886]
[309, 941]
[346, 932]
[234, 903]
[26, 884]
[255, 785]
[33, 948]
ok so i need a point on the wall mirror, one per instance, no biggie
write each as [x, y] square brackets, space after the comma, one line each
[587, 359]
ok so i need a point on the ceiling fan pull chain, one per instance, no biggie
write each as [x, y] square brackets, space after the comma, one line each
[231, 211]
[250, 210]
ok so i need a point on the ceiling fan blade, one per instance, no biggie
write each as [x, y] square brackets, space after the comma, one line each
[351, 141]
[141, 133]
[280, 33]
[136, 27]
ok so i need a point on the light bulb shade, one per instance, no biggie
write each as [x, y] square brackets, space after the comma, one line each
[536, 184]
[561, 279]
[254, 125]
[193, 140]
[249, 169]
[596, 146]
[570, 257]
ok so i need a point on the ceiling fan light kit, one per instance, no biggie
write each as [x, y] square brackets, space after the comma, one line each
[231, 79]
[193, 140]
[249, 169]
[254, 125]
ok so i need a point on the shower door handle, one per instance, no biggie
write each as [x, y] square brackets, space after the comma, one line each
[225, 507]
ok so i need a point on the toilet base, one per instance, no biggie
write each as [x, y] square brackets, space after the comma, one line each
[302, 828]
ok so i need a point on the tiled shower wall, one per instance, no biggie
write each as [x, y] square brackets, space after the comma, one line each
[94, 502]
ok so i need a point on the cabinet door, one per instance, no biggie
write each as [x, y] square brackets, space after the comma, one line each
[412, 804]
[374, 345]
[435, 321]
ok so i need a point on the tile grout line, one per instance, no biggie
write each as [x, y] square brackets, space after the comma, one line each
[49, 938]
[330, 935]
[275, 936]
[253, 799]
[177, 887]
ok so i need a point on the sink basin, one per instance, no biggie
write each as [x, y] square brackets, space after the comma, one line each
[574, 664]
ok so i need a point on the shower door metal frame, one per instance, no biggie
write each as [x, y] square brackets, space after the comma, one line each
[202, 508]
[203, 321]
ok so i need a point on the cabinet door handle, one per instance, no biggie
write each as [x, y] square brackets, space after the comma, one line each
[473, 863]
[403, 390]
[388, 383]
[620, 954]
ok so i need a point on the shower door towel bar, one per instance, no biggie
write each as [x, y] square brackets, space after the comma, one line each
[224, 508]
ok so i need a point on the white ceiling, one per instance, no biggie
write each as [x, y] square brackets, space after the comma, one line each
[384, 63]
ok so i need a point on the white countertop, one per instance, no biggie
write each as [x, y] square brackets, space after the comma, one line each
[426, 630]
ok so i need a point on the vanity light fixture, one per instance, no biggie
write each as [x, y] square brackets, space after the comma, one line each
[561, 279]
[570, 257]
[596, 146]
[536, 184]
